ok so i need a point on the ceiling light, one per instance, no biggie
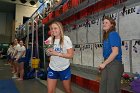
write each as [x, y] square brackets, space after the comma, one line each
[23, 1]
[33, 2]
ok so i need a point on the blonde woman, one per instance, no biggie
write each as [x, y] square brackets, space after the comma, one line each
[14, 63]
[59, 66]
[21, 51]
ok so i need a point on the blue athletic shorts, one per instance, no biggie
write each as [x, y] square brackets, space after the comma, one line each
[62, 75]
[8, 57]
[21, 60]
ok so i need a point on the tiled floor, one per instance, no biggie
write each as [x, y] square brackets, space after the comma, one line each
[26, 86]
[40, 86]
[34, 85]
[75, 88]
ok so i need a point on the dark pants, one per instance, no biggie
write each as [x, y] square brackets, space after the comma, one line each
[111, 77]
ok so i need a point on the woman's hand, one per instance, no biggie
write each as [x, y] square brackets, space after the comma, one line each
[110, 58]
[101, 66]
[17, 59]
[52, 52]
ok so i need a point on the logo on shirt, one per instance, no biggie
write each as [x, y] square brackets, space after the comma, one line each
[57, 48]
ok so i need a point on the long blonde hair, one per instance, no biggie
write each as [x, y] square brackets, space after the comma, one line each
[59, 24]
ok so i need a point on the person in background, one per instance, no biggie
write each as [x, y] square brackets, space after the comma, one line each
[9, 53]
[112, 67]
[14, 63]
[21, 51]
[59, 66]
[1, 53]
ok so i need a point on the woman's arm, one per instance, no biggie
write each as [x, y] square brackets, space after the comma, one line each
[67, 55]
[15, 53]
[22, 53]
[112, 55]
[110, 58]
